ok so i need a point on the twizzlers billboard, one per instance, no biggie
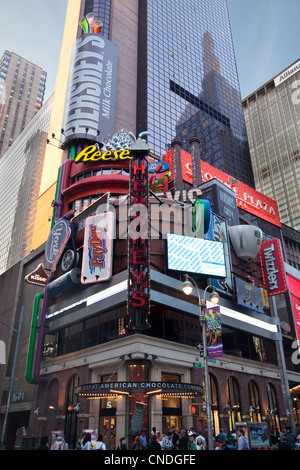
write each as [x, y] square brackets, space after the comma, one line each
[247, 198]
[273, 267]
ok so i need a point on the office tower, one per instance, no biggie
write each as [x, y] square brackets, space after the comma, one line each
[188, 84]
[22, 88]
[19, 186]
[272, 114]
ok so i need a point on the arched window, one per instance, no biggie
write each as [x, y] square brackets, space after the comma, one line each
[254, 402]
[71, 412]
[272, 407]
[234, 409]
[214, 404]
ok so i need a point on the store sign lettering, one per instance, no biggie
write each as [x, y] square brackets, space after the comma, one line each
[273, 267]
[93, 154]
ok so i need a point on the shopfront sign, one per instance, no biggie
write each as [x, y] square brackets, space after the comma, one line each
[294, 287]
[38, 276]
[249, 296]
[287, 73]
[146, 387]
[138, 305]
[93, 154]
[247, 198]
[273, 267]
[213, 332]
[97, 255]
[57, 241]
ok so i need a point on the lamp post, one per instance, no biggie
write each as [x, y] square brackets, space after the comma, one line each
[214, 298]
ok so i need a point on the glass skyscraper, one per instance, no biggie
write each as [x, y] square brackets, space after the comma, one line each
[188, 84]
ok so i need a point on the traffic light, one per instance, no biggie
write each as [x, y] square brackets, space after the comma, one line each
[195, 409]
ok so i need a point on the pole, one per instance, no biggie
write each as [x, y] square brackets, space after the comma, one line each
[12, 376]
[206, 378]
[284, 373]
[202, 306]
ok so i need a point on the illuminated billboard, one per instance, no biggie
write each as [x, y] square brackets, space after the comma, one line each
[92, 83]
[98, 248]
[195, 255]
[247, 198]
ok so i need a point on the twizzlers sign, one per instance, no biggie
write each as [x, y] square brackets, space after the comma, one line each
[138, 304]
[273, 267]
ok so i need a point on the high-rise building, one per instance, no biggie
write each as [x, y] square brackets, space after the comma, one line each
[110, 342]
[22, 89]
[272, 114]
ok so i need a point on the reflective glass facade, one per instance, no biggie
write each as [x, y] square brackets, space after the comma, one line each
[20, 174]
[188, 84]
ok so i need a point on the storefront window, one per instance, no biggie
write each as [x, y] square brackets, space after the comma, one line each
[272, 407]
[71, 414]
[107, 416]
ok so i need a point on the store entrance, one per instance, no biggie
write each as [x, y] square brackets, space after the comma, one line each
[108, 431]
[170, 423]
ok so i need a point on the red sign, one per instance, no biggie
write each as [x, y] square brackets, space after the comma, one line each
[294, 285]
[138, 247]
[247, 198]
[273, 267]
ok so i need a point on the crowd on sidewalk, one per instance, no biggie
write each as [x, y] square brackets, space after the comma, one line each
[184, 440]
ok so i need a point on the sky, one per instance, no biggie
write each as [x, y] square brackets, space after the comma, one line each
[266, 36]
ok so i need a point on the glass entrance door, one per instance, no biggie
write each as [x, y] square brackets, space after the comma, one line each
[108, 431]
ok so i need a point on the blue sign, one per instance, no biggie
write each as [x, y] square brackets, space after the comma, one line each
[154, 165]
[57, 240]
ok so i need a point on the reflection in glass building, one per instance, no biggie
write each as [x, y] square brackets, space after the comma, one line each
[187, 70]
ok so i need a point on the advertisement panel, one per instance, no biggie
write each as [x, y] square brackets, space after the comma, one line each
[294, 287]
[91, 94]
[213, 332]
[98, 248]
[247, 198]
[249, 296]
[273, 270]
[57, 241]
[195, 255]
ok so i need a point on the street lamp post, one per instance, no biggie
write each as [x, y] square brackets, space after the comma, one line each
[214, 298]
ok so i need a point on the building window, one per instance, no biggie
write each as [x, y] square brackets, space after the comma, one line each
[254, 405]
[234, 402]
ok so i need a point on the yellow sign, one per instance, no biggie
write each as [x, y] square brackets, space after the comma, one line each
[92, 154]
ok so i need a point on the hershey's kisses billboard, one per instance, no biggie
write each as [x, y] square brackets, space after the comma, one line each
[91, 93]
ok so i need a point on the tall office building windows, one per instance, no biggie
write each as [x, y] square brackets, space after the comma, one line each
[272, 115]
[188, 84]
[22, 88]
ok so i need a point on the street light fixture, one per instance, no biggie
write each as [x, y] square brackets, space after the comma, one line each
[214, 298]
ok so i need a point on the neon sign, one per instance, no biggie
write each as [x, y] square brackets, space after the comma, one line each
[93, 154]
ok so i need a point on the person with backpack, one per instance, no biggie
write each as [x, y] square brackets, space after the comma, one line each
[99, 444]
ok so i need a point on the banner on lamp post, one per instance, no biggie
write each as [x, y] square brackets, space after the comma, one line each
[214, 341]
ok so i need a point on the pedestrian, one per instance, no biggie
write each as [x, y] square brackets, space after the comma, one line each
[191, 443]
[166, 443]
[137, 445]
[79, 442]
[55, 444]
[158, 437]
[64, 445]
[184, 440]
[143, 439]
[44, 443]
[86, 442]
[177, 445]
[283, 445]
[99, 444]
[203, 440]
[231, 441]
[175, 436]
[290, 437]
[242, 441]
[154, 445]
[222, 436]
[122, 445]
[153, 430]
[199, 444]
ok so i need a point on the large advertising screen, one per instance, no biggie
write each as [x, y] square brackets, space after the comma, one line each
[195, 255]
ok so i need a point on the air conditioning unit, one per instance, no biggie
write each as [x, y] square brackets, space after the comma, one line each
[246, 241]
